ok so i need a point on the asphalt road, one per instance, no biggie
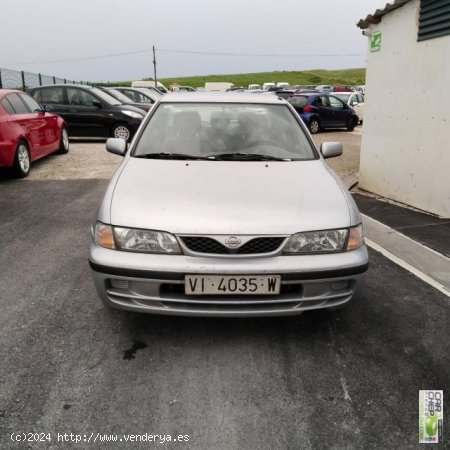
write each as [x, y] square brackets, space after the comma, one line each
[323, 380]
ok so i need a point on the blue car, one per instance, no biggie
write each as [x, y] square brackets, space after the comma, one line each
[320, 111]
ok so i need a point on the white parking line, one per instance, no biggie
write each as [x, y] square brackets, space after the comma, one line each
[430, 266]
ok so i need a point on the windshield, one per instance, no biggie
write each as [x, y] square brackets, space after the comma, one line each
[208, 129]
[343, 97]
[119, 96]
[105, 97]
[150, 93]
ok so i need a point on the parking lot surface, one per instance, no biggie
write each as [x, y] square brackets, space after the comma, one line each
[335, 380]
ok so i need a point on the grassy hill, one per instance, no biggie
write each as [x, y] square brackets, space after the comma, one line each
[333, 77]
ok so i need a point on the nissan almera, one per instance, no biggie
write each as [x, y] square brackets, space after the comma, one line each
[223, 206]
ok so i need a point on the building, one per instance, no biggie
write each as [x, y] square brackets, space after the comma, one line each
[405, 151]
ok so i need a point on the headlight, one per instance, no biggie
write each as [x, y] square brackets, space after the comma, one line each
[133, 114]
[146, 241]
[325, 241]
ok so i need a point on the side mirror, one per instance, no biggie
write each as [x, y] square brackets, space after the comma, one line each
[116, 146]
[331, 149]
[47, 108]
[97, 104]
[355, 103]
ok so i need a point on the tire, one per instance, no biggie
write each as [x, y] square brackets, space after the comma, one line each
[121, 131]
[64, 142]
[314, 126]
[351, 124]
[22, 161]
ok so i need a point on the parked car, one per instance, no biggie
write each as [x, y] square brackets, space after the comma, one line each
[28, 132]
[254, 86]
[283, 85]
[89, 111]
[139, 95]
[342, 88]
[184, 88]
[266, 86]
[286, 93]
[322, 111]
[325, 88]
[355, 100]
[278, 235]
[160, 88]
[122, 98]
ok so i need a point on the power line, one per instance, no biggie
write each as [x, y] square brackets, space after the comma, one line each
[189, 52]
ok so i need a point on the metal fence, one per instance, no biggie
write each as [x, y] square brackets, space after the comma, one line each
[15, 79]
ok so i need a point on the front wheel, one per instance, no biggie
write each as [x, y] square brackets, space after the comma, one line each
[22, 161]
[64, 142]
[121, 131]
[314, 126]
[351, 124]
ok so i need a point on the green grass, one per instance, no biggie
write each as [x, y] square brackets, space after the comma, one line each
[333, 77]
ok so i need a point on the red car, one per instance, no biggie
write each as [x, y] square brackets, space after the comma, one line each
[27, 132]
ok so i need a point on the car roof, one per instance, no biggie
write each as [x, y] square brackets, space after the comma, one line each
[220, 97]
[86, 86]
[4, 92]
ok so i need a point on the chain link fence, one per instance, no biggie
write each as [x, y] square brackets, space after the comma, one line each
[15, 79]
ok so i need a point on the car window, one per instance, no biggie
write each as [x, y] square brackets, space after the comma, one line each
[7, 106]
[145, 97]
[336, 103]
[79, 97]
[298, 101]
[17, 104]
[205, 129]
[107, 98]
[30, 102]
[360, 98]
[343, 97]
[322, 100]
[118, 95]
[132, 95]
[53, 95]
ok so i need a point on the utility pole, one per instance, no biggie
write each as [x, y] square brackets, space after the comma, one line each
[154, 67]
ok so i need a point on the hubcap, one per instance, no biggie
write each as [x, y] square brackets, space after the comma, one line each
[65, 139]
[314, 127]
[24, 158]
[122, 132]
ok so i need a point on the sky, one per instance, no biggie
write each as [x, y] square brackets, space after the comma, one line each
[40, 36]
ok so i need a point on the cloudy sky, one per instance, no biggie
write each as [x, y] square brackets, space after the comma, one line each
[40, 36]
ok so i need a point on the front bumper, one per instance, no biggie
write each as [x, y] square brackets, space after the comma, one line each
[155, 283]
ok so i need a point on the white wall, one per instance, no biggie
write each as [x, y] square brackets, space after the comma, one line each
[405, 153]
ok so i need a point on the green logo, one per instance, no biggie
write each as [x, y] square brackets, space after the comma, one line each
[431, 425]
[375, 42]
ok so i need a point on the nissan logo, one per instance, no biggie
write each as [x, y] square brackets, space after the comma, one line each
[233, 242]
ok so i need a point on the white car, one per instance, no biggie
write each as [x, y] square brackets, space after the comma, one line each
[252, 87]
[353, 99]
[266, 86]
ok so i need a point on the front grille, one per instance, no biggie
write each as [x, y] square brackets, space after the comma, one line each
[260, 245]
[204, 245]
[201, 244]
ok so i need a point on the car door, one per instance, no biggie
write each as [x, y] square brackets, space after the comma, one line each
[360, 110]
[31, 123]
[322, 104]
[87, 119]
[55, 97]
[49, 133]
[340, 112]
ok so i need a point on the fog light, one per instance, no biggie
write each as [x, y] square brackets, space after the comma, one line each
[343, 284]
[119, 284]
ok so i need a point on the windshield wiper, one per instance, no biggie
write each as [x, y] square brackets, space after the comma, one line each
[167, 155]
[238, 156]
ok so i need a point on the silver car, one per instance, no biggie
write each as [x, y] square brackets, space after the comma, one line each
[223, 206]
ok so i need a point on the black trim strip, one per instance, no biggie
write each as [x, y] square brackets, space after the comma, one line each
[139, 273]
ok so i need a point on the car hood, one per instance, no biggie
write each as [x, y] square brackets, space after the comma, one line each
[223, 197]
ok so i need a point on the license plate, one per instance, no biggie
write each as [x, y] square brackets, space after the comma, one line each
[232, 284]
